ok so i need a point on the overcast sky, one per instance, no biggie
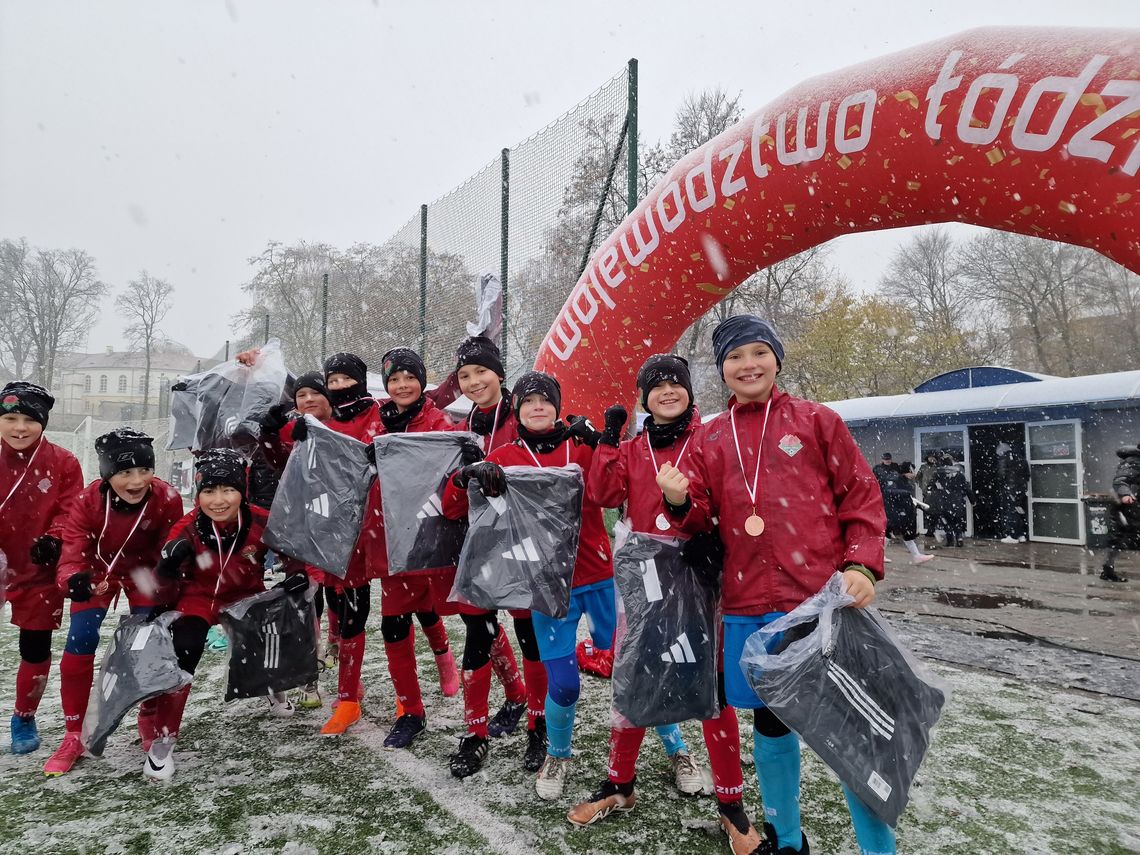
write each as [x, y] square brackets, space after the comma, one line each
[180, 137]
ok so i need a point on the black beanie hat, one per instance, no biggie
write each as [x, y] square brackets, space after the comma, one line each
[662, 367]
[123, 448]
[480, 350]
[310, 380]
[348, 364]
[404, 359]
[220, 467]
[732, 332]
[537, 383]
[28, 399]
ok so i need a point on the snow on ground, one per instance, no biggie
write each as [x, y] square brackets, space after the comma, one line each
[1017, 766]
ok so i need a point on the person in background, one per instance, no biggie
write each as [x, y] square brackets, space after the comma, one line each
[952, 491]
[885, 471]
[902, 515]
[1013, 482]
[1124, 524]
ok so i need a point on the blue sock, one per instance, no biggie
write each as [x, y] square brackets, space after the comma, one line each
[559, 727]
[875, 837]
[778, 773]
[671, 738]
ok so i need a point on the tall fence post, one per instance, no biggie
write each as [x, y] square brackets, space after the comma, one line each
[504, 245]
[324, 317]
[631, 139]
[423, 279]
[266, 328]
[227, 359]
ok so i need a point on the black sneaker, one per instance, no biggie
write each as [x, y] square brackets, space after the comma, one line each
[772, 844]
[506, 719]
[1109, 574]
[469, 758]
[404, 731]
[535, 746]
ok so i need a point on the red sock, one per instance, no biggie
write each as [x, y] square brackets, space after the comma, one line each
[722, 739]
[476, 688]
[436, 636]
[402, 668]
[535, 674]
[506, 668]
[625, 743]
[76, 672]
[351, 660]
[168, 713]
[31, 680]
[334, 626]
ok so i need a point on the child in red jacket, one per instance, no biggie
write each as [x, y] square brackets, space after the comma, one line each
[39, 482]
[111, 543]
[796, 501]
[214, 558]
[546, 441]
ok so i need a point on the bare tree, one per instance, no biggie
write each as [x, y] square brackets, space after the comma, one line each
[57, 293]
[925, 275]
[702, 116]
[144, 304]
[16, 346]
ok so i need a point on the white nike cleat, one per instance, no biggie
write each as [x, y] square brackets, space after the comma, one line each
[159, 762]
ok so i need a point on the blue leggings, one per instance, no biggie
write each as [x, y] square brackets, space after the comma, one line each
[83, 632]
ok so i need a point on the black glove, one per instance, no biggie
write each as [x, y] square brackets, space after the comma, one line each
[275, 419]
[155, 611]
[79, 587]
[581, 430]
[370, 453]
[174, 555]
[180, 386]
[300, 430]
[616, 417]
[470, 452]
[704, 553]
[490, 477]
[294, 583]
[45, 550]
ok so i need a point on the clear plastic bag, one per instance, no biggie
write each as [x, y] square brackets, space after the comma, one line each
[183, 420]
[273, 643]
[840, 679]
[665, 652]
[139, 664]
[229, 401]
[318, 510]
[521, 547]
[413, 469]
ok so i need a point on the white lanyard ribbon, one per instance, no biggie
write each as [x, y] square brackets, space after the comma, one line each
[653, 456]
[753, 489]
[229, 555]
[535, 459]
[24, 475]
[99, 542]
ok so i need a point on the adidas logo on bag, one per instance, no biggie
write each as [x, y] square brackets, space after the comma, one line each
[680, 652]
[431, 508]
[272, 658]
[524, 551]
[320, 505]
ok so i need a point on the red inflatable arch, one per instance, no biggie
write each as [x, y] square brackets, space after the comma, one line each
[1028, 130]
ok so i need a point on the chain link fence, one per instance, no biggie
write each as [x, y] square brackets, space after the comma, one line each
[531, 216]
[173, 467]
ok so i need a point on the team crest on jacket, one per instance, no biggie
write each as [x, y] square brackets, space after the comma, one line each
[791, 445]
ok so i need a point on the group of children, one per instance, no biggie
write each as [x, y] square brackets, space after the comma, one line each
[777, 479]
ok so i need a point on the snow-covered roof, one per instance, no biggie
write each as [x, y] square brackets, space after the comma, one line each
[1121, 387]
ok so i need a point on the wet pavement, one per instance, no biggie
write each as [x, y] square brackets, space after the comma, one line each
[1030, 610]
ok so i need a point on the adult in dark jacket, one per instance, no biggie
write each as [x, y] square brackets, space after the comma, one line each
[1124, 521]
[952, 492]
[885, 472]
[902, 514]
[1013, 483]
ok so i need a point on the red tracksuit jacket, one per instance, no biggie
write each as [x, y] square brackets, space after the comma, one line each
[503, 434]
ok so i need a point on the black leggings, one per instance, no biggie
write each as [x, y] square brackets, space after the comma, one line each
[528, 641]
[396, 628]
[189, 641]
[35, 645]
[351, 608]
[481, 633]
[764, 721]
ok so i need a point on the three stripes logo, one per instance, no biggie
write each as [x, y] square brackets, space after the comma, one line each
[431, 508]
[881, 723]
[272, 647]
[681, 652]
[524, 551]
[320, 505]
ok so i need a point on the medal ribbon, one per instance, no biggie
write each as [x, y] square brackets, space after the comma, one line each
[753, 490]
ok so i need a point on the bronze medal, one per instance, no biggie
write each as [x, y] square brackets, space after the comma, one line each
[754, 525]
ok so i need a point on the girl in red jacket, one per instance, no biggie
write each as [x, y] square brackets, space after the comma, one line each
[796, 501]
[625, 474]
[423, 595]
[111, 543]
[214, 558]
[38, 484]
[479, 370]
[546, 441]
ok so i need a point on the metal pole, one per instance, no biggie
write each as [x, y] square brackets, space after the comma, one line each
[423, 280]
[324, 317]
[504, 245]
[266, 328]
[227, 359]
[588, 249]
[631, 138]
